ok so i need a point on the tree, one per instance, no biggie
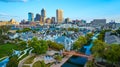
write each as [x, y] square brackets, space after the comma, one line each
[39, 64]
[76, 45]
[81, 41]
[0, 31]
[99, 48]
[4, 29]
[89, 36]
[112, 53]
[44, 46]
[13, 62]
[58, 58]
[90, 64]
[22, 45]
[26, 30]
[43, 64]
[19, 31]
[3, 33]
[39, 46]
[33, 31]
[61, 46]
[55, 45]
[101, 35]
[73, 29]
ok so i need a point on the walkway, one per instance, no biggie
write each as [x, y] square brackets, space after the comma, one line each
[77, 54]
[21, 63]
[37, 58]
[62, 62]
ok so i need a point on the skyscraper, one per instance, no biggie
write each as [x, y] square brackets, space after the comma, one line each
[53, 20]
[48, 21]
[30, 16]
[67, 20]
[43, 14]
[37, 18]
[59, 15]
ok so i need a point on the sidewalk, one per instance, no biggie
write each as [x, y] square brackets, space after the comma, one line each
[21, 63]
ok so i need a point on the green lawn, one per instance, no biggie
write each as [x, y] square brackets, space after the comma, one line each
[6, 49]
[25, 66]
[40, 64]
[37, 64]
[29, 60]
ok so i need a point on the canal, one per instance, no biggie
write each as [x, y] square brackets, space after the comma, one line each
[15, 52]
[76, 61]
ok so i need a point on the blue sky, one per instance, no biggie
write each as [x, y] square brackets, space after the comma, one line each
[74, 9]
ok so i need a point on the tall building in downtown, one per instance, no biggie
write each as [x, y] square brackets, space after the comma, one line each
[43, 14]
[30, 16]
[37, 18]
[53, 20]
[59, 15]
[67, 20]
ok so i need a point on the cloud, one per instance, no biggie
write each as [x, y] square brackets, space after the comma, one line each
[14, 0]
[3, 14]
[6, 15]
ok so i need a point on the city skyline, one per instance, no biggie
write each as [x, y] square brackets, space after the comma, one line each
[74, 9]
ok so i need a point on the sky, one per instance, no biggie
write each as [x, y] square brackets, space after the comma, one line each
[74, 9]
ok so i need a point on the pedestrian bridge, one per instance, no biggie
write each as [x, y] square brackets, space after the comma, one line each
[74, 53]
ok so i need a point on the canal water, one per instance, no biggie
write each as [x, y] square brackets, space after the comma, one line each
[15, 52]
[76, 61]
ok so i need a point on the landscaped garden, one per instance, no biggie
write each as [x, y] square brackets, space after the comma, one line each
[29, 60]
[7, 49]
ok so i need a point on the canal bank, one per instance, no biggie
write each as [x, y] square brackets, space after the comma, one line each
[4, 62]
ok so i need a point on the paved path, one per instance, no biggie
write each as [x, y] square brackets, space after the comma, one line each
[21, 63]
[62, 62]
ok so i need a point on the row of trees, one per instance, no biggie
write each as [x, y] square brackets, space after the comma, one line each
[4, 29]
[41, 46]
[27, 30]
[24, 30]
[82, 40]
[54, 45]
[101, 35]
[71, 29]
[110, 52]
[3, 33]
[13, 61]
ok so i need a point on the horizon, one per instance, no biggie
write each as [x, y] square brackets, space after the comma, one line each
[74, 9]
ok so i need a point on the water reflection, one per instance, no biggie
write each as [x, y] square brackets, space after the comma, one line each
[76, 61]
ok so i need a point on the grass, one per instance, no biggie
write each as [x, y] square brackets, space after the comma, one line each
[29, 60]
[48, 65]
[25, 66]
[7, 49]
[37, 64]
